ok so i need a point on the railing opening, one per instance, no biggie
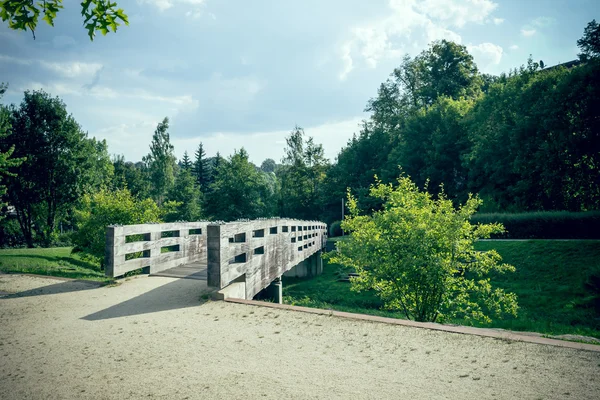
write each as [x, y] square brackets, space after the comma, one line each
[195, 231]
[169, 234]
[258, 233]
[169, 249]
[239, 238]
[140, 237]
[259, 250]
[240, 258]
[273, 230]
[284, 229]
[137, 254]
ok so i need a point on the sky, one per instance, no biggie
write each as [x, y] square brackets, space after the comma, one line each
[234, 73]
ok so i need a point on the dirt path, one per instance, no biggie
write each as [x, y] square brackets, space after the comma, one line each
[155, 338]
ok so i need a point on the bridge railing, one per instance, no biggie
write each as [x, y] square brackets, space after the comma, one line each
[154, 247]
[259, 251]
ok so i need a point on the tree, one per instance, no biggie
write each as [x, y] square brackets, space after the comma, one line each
[97, 211]
[131, 176]
[188, 197]
[589, 44]
[62, 164]
[238, 190]
[186, 163]
[268, 165]
[201, 169]
[7, 162]
[98, 15]
[417, 254]
[301, 175]
[161, 162]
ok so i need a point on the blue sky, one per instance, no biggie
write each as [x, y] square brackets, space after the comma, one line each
[233, 73]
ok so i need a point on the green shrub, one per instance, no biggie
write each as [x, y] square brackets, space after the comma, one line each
[545, 224]
[105, 208]
[335, 229]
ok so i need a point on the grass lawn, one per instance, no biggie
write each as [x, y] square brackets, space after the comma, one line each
[57, 261]
[549, 283]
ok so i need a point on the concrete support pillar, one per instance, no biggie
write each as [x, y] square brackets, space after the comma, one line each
[275, 290]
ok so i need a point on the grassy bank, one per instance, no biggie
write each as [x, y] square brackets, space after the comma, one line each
[549, 282]
[57, 261]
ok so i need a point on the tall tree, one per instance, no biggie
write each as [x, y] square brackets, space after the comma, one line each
[98, 15]
[302, 173]
[131, 176]
[238, 190]
[188, 197]
[201, 169]
[589, 44]
[268, 165]
[62, 164]
[161, 162]
[7, 162]
[186, 163]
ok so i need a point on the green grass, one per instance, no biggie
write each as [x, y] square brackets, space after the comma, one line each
[549, 283]
[57, 261]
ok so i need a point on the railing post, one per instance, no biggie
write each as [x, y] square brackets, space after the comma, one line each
[213, 244]
[109, 252]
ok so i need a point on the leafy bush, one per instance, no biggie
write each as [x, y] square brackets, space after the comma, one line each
[99, 210]
[335, 229]
[544, 224]
[418, 255]
[10, 233]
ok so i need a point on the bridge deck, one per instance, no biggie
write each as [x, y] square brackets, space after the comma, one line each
[188, 271]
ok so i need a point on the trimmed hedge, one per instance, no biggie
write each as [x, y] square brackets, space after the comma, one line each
[335, 229]
[545, 224]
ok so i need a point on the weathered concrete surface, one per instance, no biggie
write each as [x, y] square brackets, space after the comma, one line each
[260, 251]
[190, 237]
[154, 338]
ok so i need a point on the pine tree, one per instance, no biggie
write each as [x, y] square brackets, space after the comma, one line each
[186, 163]
[200, 168]
[161, 162]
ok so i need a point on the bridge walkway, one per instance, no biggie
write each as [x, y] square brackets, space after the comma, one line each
[187, 271]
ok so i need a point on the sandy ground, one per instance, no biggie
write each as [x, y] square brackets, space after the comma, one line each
[154, 337]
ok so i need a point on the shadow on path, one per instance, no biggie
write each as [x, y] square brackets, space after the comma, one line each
[180, 293]
[62, 287]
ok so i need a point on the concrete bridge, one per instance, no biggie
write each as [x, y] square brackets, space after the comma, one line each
[239, 259]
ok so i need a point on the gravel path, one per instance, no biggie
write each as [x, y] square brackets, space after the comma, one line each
[153, 337]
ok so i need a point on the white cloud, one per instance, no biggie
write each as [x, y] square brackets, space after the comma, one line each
[457, 12]
[514, 47]
[409, 25]
[543, 21]
[486, 55]
[72, 69]
[498, 21]
[527, 32]
[14, 60]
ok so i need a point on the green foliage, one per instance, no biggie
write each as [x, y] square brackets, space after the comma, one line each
[589, 44]
[61, 165]
[161, 162]
[418, 255]
[57, 261]
[335, 229]
[186, 163]
[238, 191]
[544, 224]
[200, 169]
[302, 175]
[186, 194]
[268, 165]
[131, 176]
[7, 161]
[99, 210]
[98, 15]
